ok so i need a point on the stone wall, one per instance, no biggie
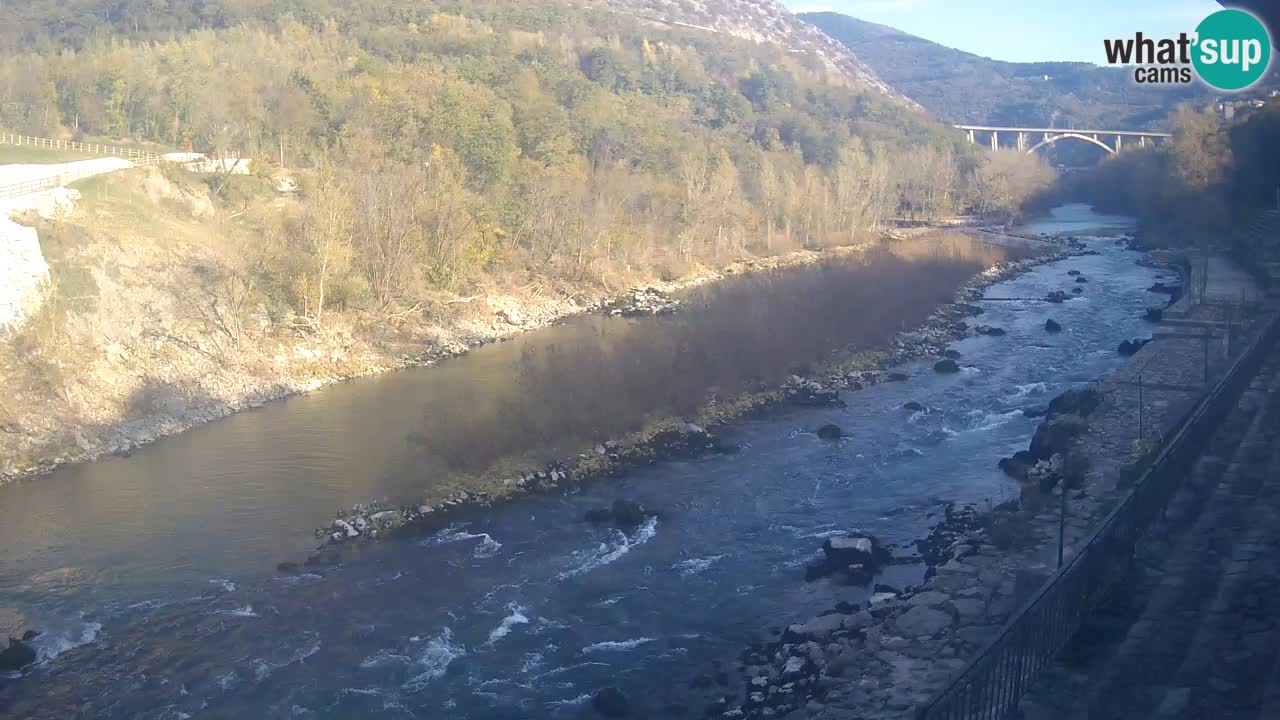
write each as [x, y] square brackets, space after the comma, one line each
[24, 275]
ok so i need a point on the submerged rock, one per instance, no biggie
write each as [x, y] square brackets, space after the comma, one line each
[896, 377]
[1052, 326]
[990, 330]
[913, 406]
[1077, 291]
[953, 354]
[610, 702]
[17, 656]
[1082, 279]
[947, 366]
[1073, 272]
[830, 432]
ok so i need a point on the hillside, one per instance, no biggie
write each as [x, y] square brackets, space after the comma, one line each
[961, 87]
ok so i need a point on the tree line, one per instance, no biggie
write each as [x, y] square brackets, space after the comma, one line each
[441, 143]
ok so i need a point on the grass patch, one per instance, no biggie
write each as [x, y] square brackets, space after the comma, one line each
[25, 155]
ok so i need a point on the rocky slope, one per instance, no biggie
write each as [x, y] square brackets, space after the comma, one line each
[760, 21]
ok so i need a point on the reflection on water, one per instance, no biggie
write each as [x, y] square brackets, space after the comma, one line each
[599, 377]
[242, 493]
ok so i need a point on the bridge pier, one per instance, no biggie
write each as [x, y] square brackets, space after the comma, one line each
[1022, 141]
[995, 140]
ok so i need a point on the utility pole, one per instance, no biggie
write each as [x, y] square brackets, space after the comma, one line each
[1142, 431]
[1062, 516]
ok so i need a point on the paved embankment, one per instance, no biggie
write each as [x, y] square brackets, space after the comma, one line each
[906, 648]
[1194, 632]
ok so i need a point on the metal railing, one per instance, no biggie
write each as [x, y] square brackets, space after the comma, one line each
[994, 682]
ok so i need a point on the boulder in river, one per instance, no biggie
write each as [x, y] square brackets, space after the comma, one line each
[1077, 291]
[913, 406]
[1057, 297]
[628, 514]
[947, 366]
[1082, 402]
[1073, 272]
[1082, 279]
[830, 432]
[1019, 466]
[896, 377]
[990, 330]
[857, 556]
[1131, 347]
[17, 656]
[952, 354]
[1055, 434]
[610, 702]
[1052, 326]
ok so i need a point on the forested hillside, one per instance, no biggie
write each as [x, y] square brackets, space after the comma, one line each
[960, 87]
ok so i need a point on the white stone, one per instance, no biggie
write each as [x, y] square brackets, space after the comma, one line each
[860, 544]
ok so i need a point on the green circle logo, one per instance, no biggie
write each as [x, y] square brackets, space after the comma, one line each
[1232, 49]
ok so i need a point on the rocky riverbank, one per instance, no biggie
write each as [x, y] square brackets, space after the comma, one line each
[887, 658]
[164, 383]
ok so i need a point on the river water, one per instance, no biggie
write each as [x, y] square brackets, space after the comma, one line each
[152, 575]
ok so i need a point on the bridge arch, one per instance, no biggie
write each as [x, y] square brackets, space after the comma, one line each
[1051, 139]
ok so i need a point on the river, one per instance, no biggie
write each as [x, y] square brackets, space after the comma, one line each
[152, 574]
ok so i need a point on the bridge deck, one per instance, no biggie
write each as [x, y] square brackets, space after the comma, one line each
[1123, 133]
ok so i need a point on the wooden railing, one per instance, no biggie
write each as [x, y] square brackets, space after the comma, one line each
[69, 174]
[97, 149]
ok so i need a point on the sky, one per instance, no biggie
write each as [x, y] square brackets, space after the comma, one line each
[1025, 31]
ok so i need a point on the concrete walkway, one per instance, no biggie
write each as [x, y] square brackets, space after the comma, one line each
[1196, 631]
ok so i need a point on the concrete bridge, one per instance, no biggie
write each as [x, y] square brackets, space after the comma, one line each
[1025, 137]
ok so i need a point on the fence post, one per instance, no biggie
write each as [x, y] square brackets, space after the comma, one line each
[1141, 424]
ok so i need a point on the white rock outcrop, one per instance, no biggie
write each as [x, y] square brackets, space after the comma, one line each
[24, 274]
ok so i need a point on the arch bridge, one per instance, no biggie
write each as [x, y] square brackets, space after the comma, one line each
[1113, 141]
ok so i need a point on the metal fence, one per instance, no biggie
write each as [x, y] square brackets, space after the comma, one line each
[992, 684]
